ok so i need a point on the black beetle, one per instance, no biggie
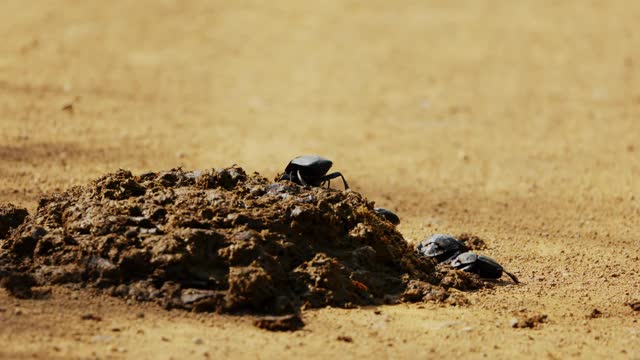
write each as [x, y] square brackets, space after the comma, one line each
[311, 170]
[441, 247]
[388, 215]
[482, 265]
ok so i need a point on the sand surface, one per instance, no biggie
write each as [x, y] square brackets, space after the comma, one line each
[517, 121]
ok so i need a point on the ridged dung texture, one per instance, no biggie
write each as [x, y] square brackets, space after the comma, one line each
[219, 240]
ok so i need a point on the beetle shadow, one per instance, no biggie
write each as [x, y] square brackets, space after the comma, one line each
[501, 282]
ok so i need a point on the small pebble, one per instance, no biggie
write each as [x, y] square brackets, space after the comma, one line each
[345, 338]
[91, 317]
[595, 313]
[67, 107]
[198, 341]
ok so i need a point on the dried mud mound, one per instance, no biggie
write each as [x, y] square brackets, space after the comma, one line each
[219, 240]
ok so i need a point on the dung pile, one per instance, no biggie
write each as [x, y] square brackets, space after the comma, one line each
[219, 240]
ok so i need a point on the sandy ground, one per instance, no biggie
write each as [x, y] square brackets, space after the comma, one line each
[517, 121]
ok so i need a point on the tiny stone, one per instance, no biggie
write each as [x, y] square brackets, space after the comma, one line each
[91, 317]
[198, 341]
[290, 322]
[513, 322]
[345, 338]
[462, 155]
[595, 313]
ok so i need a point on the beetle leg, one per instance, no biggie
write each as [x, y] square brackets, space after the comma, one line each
[452, 257]
[335, 175]
[285, 176]
[513, 277]
[304, 183]
[469, 268]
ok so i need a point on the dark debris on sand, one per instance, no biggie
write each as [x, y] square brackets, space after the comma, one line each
[291, 322]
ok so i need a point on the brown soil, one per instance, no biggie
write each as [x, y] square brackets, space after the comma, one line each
[516, 121]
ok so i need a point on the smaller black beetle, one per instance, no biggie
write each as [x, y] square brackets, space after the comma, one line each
[442, 247]
[482, 265]
[388, 215]
[311, 170]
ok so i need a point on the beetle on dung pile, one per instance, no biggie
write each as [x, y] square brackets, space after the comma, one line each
[311, 170]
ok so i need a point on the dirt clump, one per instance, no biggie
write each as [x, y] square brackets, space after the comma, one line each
[90, 316]
[11, 217]
[472, 242]
[345, 338]
[529, 321]
[595, 314]
[18, 285]
[420, 291]
[221, 240]
[289, 322]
